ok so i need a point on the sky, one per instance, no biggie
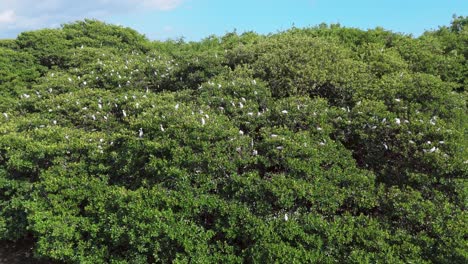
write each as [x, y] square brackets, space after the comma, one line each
[197, 19]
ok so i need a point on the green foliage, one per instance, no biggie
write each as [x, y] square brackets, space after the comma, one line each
[316, 145]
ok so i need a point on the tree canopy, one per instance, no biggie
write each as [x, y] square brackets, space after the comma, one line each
[313, 145]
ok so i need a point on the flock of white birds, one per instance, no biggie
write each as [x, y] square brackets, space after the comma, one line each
[128, 74]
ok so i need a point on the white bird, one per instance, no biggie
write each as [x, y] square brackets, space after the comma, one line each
[397, 100]
[100, 106]
[69, 79]
[84, 83]
[254, 82]
[162, 128]
[140, 133]
[397, 121]
[274, 135]
[254, 152]
[286, 218]
[5, 115]
[241, 132]
[124, 113]
[385, 145]
[284, 111]
[279, 147]
[241, 105]
[432, 149]
[176, 106]
[94, 117]
[54, 122]
[203, 121]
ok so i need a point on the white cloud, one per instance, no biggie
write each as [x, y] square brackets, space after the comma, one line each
[7, 17]
[21, 15]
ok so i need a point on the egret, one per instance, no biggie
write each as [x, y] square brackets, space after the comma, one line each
[279, 147]
[254, 82]
[124, 113]
[274, 135]
[140, 133]
[254, 152]
[241, 132]
[397, 100]
[203, 121]
[5, 115]
[397, 121]
[286, 218]
[176, 106]
[54, 122]
[385, 145]
[162, 128]
[284, 111]
[241, 105]
[433, 149]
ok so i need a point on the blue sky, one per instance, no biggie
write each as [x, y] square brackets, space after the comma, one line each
[196, 19]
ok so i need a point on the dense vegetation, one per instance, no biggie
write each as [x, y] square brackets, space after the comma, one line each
[324, 144]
